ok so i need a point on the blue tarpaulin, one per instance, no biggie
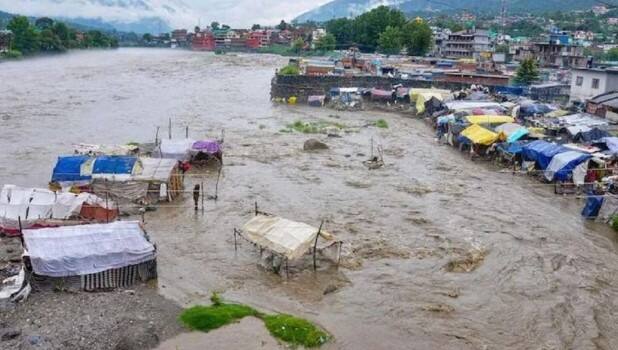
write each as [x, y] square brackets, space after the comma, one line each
[562, 165]
[510, 90]
[542, 152]
[69, 169]
[592, 207]
[512, 148]
[114, 165]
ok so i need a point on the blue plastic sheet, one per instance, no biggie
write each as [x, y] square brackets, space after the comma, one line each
[68, 169]
[592, 207]
[114, 165]
[542, 152]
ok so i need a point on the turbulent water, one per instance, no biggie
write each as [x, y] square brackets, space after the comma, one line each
[441, 252]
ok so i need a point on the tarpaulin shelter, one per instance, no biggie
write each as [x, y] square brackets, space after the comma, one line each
[102, 255]
[542, 152]
[590, 135]
[39, 207]
[316, 100]
[402, 92]
[568, 165]
[489, 119]
[611, 144]
[421, 96]
[178, 149]
[381, 95]
[457, 106]
[592, 207]
[531, 108]
[512, 131]
[68, 169]
[479, 135]
[116, 167]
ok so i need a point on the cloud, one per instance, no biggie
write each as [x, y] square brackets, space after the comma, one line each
[178, 13]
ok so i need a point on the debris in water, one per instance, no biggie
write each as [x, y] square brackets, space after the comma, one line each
[468, 263]
[441, 308]
[314, 145]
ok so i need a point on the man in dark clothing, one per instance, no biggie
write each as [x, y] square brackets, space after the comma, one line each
[196, 195]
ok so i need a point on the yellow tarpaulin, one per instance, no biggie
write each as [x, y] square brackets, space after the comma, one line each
[479, 135]
[420, 96]
[490, 119]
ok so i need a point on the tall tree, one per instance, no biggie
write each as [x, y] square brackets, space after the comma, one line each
[341, 28]
[390, 41]
[527, 73]
[63, 33]
[282, 25]
[214, 25]
[298, 45]
[50, 42]
[326, 43]
[417, 37]
[612, 54]
[44, 23]
[368, 26]
[26, 38]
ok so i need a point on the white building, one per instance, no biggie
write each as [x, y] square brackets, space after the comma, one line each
[589, 82]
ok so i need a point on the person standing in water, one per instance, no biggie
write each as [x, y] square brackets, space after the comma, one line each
[196, 195]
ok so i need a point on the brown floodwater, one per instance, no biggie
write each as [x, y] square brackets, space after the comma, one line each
[539, 276]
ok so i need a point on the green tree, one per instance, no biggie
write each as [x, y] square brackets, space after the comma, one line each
[63, 33]
[390, 41]
[44, 23]
[368, 26]
[612, 54]
[298, 44]
[147, 37]
[256, 27]
[50, 42]
[326, 43]
[214, 25]
[26, 38]
[417, 37]
[282, 25]
[527, 73]
[341, 29]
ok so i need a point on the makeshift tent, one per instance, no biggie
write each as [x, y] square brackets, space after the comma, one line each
[162, 176]
[420, 96]
[479, 135]
[402, 92]
[531, 108]
[510, 148]
[489, 119]
[176, 149]
[381, 95]
[113, 167]
[563, 164]
[87, 249]
[282, 236]
[69, 170]
[469, 105]
[512, 131]
[612, 144]
[316, 101]
[541, 152]
[590, 135]
[39, 207]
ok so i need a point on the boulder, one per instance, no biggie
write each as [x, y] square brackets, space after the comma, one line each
[314, 145]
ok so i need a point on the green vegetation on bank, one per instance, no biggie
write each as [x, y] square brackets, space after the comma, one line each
[527, 73]
[381, 123]
[383, 29]
[290, 70]
[293, 330]
[48, 36]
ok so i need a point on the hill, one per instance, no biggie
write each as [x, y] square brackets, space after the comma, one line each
[352, 8]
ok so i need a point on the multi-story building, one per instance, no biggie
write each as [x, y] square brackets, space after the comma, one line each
[558, 55]
[5, 40]
[467, 44]
[203, 41]
[589, 82]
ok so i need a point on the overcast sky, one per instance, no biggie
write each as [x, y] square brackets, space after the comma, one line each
[236, 13]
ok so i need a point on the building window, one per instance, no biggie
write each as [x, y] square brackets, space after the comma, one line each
[595, 83]
[579, 81]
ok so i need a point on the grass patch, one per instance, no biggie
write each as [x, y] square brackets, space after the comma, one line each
[312, 127]
[207, 318]
[287, 328]
[295, 330]
[290, 70]
[381, 123]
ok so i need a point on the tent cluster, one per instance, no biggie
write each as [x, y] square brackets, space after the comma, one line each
[572, 150]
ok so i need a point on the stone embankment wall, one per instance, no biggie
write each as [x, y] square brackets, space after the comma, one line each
[301, 86]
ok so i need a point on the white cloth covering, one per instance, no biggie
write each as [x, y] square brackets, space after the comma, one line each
[86, 249]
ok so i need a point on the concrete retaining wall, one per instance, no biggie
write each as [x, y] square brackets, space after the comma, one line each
[284, 86]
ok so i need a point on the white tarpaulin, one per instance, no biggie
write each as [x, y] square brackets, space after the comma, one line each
[39, 203]
[176, 149]
[282, 236]
[86, 249]
[155, 169]
[465, 105]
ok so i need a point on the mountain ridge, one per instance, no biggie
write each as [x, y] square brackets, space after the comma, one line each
[352, 8]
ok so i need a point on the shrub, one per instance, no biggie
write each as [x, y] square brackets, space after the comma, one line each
[290, 70]
[295, 330]
[381, 123]
[12, 54]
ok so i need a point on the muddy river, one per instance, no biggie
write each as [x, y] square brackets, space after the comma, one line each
[441, 252]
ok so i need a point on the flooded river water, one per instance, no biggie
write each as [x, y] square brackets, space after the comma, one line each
[548, 280]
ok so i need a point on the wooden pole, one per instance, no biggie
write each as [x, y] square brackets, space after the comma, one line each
[235, 243]
[21, 233]
[106, 206]
[169, 129]
[203, 196]
[315, 245]
[256, 208]
[157, 136]
[187, 132]
[217, 183]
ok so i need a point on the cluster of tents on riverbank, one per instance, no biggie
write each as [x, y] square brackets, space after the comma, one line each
[69, 232]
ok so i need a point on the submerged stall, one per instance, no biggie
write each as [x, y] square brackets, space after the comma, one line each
[91, 257]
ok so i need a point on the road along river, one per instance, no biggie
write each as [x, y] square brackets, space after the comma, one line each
[539, 276]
